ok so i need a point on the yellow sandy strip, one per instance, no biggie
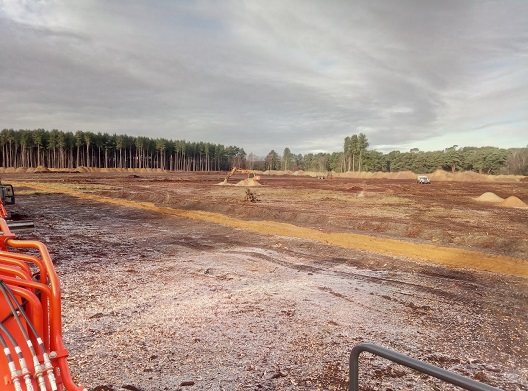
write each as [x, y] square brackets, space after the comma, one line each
[451, 257]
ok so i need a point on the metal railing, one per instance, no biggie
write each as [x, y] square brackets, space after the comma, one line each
[431, 370]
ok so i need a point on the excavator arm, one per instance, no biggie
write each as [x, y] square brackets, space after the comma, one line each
[238, 169]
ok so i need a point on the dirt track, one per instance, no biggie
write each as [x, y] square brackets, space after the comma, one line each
[178, 297]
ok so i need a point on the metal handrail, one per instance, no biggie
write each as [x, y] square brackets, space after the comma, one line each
[431, 370]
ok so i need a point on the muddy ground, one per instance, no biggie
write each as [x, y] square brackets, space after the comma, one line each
[255, 297]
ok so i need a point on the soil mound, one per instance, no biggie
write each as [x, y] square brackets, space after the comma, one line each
[489, 197]
[41, 169]
[513, 202]
[441, 175]
[505, 178]
[405, 175]
[382, 175]
[470, 176]
[313, 174]
[248, 182]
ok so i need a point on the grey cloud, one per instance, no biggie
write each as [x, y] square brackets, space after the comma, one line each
[268, 75]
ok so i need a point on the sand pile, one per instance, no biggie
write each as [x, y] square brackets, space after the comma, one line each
[41, 169]
[313, 174]
[489, 197]
[379, 175]
[470, 176]
[441, 175]
[405, 175]
[504, 178]
[513, 202]
[510, 202]
[248, 182]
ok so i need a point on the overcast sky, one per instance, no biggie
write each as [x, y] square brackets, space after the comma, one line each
[266, 75]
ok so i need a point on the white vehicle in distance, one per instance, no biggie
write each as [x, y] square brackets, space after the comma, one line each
[423, 180]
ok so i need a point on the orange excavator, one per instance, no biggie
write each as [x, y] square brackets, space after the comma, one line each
[7, 197]
[250, 174]
[33, 356]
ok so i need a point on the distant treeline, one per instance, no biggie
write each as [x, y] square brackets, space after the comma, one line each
[58, 149]
[357, 157]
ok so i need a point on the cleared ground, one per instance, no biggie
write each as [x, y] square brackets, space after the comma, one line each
[172, 279]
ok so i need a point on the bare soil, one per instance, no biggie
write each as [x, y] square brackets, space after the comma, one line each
[173, 282]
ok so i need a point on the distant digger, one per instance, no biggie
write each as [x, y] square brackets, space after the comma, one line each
[250, 174]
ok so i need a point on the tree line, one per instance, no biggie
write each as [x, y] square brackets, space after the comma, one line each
[357, 157]
[58, 149]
